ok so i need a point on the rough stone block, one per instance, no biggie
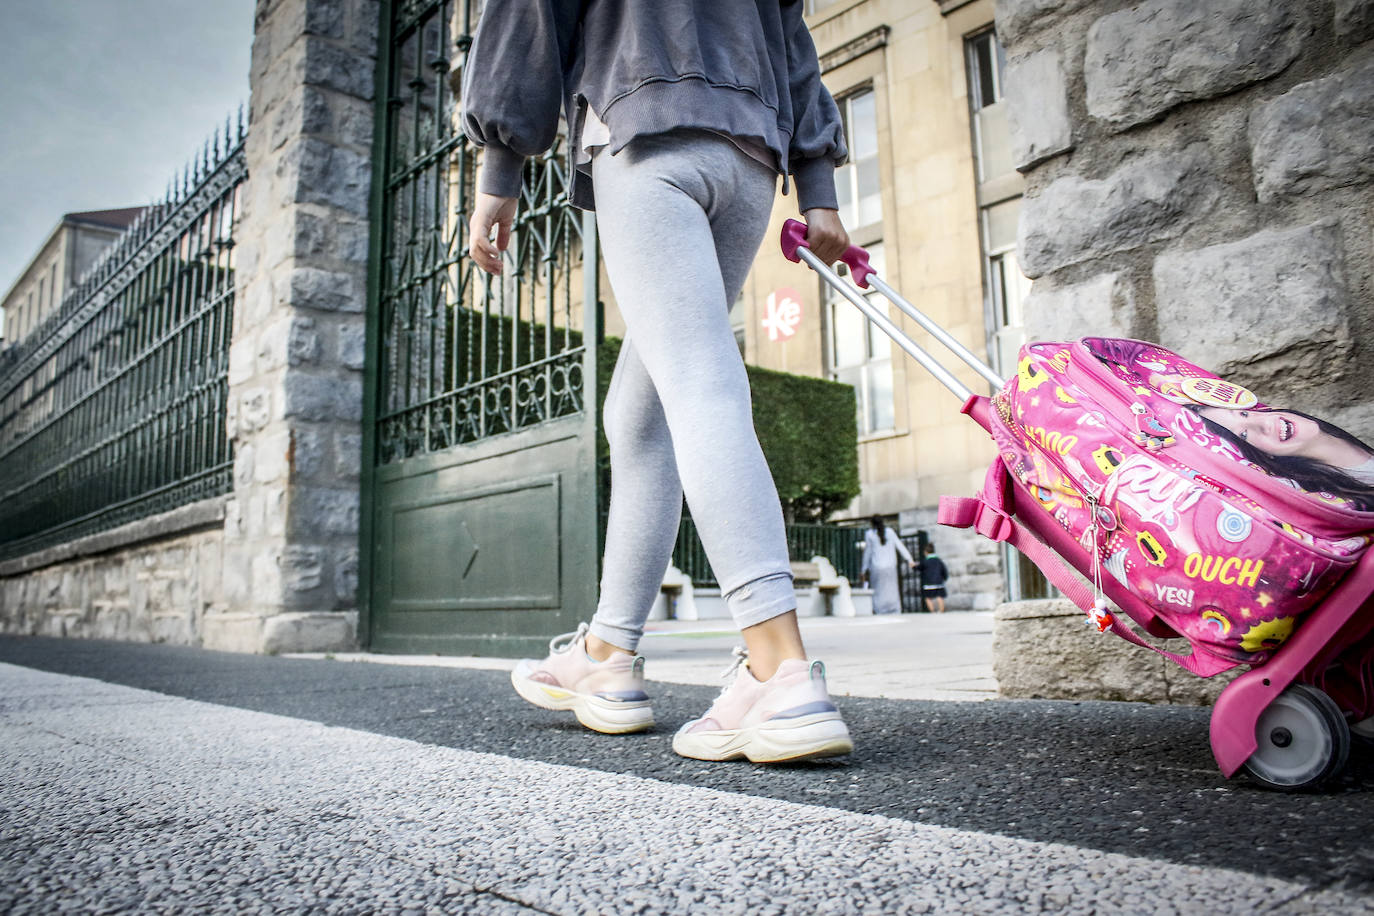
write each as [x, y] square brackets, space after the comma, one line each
[242, 364]
[255, 409]
[1156, 196]
[346, 578]
[1017, 19]
[353, 344]
[318, 397]
[1355, 20]
[1268, 306]
[319, 234]
[267, 573]
[1045, 650]
[1316, 136]
[325, 290]
[1038, 108]
[310, 632]
[1144, 60]
[337, 118]
[331, 66]
[302, 342]
[233, 632]
[243, 464]
[308, 452]
[273, 461]
[318, 172]
[302, 568]
[323, 511]
[348, 455]
[1103, 306]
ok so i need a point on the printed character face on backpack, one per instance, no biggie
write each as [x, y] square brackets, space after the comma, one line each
[1108, 459]
[1151, 549]
[1267, 635]
[1273, 432]
[1030, 374]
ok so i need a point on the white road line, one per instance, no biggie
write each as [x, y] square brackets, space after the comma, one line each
[110, 791]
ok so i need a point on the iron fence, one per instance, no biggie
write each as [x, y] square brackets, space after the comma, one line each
[464, 356]
[114, 408]
[841, 545]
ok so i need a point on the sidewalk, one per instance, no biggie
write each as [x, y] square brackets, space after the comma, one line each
[903, 657]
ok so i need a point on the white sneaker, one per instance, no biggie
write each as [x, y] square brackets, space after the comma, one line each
[605, 696]
[786, 718]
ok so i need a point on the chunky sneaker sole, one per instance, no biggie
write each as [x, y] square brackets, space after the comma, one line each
[606, 714]
[781, 739]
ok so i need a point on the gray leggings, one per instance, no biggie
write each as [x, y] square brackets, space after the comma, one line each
[680, 217]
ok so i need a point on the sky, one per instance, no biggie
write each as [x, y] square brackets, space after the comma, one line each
[103, 101]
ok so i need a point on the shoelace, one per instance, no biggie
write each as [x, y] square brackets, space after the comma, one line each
[741, 657]
[564, 642]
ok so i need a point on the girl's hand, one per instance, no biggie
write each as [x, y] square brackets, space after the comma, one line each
[825, 234]
[490, 211]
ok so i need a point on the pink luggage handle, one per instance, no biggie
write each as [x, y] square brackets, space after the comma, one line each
[794, 248]
[856, 258]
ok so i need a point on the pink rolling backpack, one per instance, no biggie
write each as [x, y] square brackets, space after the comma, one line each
[1124, 447]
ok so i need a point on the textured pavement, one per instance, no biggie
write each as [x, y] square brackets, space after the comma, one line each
[899, 656]
[169, 779]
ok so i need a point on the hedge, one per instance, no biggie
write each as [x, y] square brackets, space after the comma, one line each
[806, 427]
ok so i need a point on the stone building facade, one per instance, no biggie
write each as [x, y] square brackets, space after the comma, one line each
[68, 252]
[1198, 174]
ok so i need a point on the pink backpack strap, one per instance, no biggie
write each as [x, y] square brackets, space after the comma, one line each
[990, 515]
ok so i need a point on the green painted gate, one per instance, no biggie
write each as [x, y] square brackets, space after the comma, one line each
[480, 492]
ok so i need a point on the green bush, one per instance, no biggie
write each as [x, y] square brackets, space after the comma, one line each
[806, 428]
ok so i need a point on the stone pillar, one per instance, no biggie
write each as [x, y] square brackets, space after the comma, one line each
[1197, 174]
[1046, 650]
[296, 360]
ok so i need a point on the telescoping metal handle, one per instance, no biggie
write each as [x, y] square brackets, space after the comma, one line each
[794, 248]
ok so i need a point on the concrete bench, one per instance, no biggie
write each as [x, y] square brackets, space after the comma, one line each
[820, 593]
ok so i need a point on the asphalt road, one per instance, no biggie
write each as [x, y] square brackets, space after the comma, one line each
[1122, 778]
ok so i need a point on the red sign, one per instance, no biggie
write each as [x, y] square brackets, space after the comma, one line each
[782, 314]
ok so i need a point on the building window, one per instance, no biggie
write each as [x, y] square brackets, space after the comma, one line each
[861, 355]
[1007, 287]
[991, 134]
[857, 182]
[1004, 286]
[815, 6]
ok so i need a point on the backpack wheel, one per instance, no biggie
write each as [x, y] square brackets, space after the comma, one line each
[1303, 740]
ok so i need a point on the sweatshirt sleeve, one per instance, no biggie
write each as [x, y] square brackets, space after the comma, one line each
[817, 131]
[513, 85]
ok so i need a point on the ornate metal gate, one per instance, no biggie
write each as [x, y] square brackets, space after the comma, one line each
[480, 521]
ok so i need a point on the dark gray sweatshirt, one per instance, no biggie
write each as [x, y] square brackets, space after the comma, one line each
[745, 68]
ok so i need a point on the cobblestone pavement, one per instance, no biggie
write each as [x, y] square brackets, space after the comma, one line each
[155, 779]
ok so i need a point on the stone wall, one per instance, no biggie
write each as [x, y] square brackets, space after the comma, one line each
[1046, 650]
[154, 580]
[1198, 174]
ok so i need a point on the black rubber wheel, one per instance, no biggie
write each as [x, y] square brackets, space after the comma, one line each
[1303, 740]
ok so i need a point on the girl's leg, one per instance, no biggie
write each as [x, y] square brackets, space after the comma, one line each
[645, 510]
[680, 219]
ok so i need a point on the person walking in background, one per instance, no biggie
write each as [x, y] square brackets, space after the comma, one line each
[934, 575]
[879, 570]
[681, 115]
